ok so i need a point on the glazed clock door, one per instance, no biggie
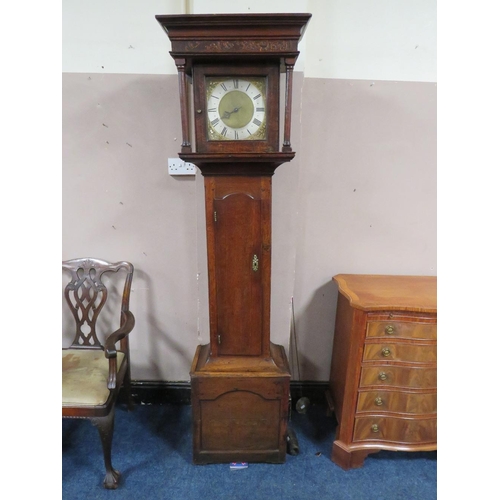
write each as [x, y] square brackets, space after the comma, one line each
[237, 232]
[236, 109]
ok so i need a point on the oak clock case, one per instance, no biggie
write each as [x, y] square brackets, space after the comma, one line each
[236, 110]
[240, 381]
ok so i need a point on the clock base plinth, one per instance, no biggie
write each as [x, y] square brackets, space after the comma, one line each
[240, 407]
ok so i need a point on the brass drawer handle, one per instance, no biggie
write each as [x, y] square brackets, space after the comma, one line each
[375, 428]
[255, 263]
[382, 376]
[389, 330]
[378, 401]
[386, 352]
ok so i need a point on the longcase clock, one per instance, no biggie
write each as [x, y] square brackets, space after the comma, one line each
[230, 68]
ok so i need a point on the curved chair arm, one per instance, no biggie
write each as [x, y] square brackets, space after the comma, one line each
[128, 322]
[110, 348]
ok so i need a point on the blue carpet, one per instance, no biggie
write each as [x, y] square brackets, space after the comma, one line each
[152, 450]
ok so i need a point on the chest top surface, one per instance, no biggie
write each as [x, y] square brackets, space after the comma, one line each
[370, 292]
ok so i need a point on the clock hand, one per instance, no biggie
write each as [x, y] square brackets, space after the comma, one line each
[227, 114]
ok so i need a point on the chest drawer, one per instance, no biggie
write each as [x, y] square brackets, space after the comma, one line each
[398, 376]
[400, 402]
[402, 329]
[416, 353]
[398, 430]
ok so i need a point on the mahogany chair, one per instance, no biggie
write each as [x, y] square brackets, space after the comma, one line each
[93, 372]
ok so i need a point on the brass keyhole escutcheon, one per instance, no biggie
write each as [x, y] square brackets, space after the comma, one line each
[378, 401]
[375, 428]
[255, 263]
[382, 376]
[386, 352]
[389, 330]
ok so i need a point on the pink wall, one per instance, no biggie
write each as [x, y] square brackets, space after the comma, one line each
[360, 197]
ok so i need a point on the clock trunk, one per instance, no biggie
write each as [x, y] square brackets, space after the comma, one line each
[238, 212]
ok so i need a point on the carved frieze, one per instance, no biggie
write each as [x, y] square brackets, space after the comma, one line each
[238, 46]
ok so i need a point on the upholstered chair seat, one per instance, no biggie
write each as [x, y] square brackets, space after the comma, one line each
[85, 377]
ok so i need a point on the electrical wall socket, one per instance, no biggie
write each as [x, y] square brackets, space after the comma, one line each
[176, 166]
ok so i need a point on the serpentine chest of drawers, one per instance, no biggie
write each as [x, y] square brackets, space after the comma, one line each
[383, 379]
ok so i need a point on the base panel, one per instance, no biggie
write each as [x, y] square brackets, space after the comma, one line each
[240, 416]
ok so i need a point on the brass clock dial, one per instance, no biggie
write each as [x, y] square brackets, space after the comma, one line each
[236, 108]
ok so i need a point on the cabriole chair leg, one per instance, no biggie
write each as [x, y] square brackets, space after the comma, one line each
[105, 425]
